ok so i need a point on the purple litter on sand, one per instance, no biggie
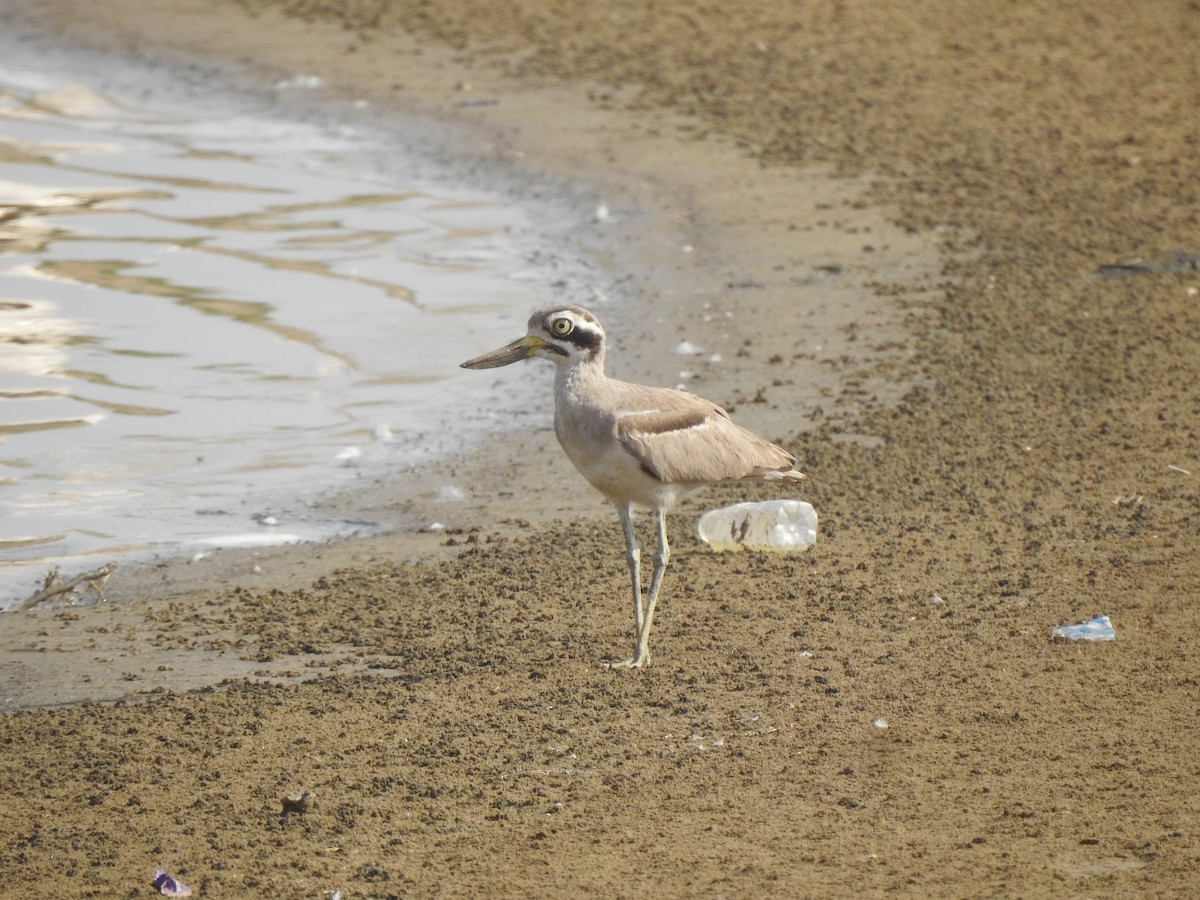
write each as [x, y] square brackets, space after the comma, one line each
[169, 887]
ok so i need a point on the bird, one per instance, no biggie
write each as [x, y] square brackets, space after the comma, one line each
[639, 446]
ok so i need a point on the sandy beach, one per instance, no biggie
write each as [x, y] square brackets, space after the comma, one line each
[948, 257]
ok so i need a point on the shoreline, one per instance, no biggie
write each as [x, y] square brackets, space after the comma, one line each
[676, 245]
[561, 206]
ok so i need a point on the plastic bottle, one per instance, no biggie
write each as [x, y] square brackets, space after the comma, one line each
[780, 526]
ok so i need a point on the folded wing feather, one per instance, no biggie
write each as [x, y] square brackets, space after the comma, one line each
[694, 441]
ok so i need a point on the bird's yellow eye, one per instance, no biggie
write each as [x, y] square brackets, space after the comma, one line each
[562, 327]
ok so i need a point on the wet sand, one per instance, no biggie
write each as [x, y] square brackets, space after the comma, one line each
[905, 211]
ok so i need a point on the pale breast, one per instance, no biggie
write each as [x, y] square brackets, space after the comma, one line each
[589, 438]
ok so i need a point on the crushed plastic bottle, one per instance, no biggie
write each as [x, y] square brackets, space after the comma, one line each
[779, 526]
[1099, 628]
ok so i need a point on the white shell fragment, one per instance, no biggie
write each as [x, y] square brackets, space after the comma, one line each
[311, 82]
[780, 526]
[1097, 629]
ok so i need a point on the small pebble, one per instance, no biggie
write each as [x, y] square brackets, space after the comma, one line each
[298, 802]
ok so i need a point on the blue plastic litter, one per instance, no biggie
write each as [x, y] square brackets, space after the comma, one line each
[1097, 629]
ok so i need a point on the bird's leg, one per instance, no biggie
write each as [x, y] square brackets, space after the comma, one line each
[633, 555]
[641, 656]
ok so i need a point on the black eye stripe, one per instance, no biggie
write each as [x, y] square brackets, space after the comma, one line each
[583, 337]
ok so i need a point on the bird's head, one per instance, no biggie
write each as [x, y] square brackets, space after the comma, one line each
[561, 334]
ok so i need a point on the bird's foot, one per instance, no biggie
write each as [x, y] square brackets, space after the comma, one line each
[636, 661]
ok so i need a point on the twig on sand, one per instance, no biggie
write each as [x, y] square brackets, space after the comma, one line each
[53, 587]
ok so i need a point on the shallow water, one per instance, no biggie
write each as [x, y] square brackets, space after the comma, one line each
[209, 313]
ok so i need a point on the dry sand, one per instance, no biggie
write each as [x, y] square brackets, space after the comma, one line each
[905, 207]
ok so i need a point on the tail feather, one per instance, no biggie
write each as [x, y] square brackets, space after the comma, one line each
[790, 475]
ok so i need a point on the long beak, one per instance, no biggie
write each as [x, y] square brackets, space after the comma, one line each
[507, 355]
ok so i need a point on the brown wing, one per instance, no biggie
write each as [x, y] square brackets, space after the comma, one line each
[693, 441]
